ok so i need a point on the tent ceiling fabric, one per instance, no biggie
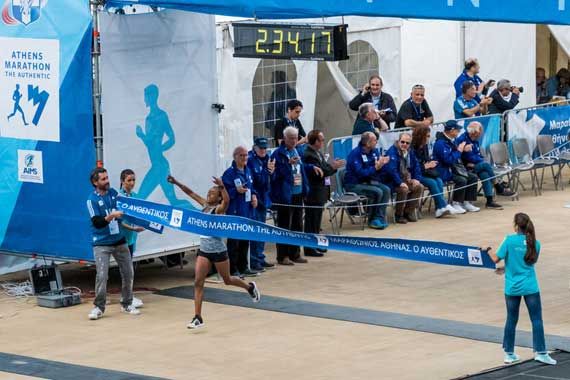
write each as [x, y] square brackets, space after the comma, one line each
[519, 11]
[562, 35]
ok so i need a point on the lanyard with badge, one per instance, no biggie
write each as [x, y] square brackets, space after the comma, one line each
[247, 194]
[296, 169]
[113, 224]
[417, 110]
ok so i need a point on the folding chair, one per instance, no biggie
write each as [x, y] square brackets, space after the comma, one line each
[550, 157]
[523, 155]
[502, 165]
[340, 202]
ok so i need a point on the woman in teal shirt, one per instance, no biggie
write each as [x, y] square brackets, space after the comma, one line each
[520, 252]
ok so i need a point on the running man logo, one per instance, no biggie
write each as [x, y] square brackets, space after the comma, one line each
[176, 218]
[24, 12]
[474, 256]
[30, 166]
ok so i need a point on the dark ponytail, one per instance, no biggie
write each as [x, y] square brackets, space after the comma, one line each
[124, 174]
[524, 225]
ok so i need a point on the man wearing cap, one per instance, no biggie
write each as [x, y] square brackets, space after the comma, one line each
[261, 168]
[451, 168]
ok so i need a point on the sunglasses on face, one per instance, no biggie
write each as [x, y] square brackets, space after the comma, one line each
[404, 142]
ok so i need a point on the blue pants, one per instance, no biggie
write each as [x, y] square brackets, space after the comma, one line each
[377, 193]
[485, 171]
[435, 186]
[534, 307]
[256, 248]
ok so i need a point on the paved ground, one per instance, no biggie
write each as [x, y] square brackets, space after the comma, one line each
[243, 342]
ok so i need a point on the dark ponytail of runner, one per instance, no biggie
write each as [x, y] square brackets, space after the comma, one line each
[524, 224]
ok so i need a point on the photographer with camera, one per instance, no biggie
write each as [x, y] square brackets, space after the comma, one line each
[505, 97]
[383, 102]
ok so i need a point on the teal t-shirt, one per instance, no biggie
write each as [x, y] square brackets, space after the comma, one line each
[520, 278]
[130, 235]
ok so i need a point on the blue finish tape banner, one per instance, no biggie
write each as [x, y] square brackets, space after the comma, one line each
[529, 123]
[151, 226]
[246, 229]
[46, 127]
[524, 11]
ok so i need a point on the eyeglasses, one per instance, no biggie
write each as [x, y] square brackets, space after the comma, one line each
[404, 142]
[241, 155]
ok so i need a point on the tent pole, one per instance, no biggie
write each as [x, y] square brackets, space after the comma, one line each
[462, 57]
[95, 56]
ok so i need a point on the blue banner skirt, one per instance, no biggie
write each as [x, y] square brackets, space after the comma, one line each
[246, 229]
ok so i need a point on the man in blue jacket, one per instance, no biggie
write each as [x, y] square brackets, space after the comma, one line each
[403, 175]
[363, 165]
[451, 168]
[289, 185]
[261, 168]
[243, 200]
[366, 121]
[473, 160]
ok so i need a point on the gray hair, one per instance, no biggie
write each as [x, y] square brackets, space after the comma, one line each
[404, 134]
[503, 83]
[365, 137]
[290, 132]
[364, 108]
[474, 126]
[238, 149]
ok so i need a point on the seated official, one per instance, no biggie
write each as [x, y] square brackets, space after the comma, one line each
[451, 168]
[367, 116]
[415, 111]
[468, 105]
[505, 97]
[362, 167]
[383, 102]
[291, 119]
[430, 175]
[403, 175]
[473, 160]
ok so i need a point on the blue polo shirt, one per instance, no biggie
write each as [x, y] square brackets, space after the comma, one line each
[103, 205]
[461, 104]
[520, 278]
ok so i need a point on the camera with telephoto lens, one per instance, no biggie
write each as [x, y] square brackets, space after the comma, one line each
[521, 89]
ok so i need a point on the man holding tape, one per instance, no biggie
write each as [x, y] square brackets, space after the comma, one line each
[108, 240]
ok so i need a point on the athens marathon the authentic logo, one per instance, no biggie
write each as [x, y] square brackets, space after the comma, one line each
[25, 12]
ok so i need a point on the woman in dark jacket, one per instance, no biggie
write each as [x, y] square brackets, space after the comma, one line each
[430, 176]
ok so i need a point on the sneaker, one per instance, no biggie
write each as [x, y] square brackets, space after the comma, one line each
[544, 358]
[442, 212]
[96, 313]
[254, 292]
[493, 205]
[453, 210]
[196, 323]
[250, 273]
[458, 208]
[511, 358]
[130, 310]
[376, 224]
[137, 302]
[468, 206]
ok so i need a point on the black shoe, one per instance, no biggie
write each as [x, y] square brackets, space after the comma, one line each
[314, 254]
[507, 193]
[322, 250]
[250, 273]
[267, 265]
[411, 217]
[494, 205]
[401, 220]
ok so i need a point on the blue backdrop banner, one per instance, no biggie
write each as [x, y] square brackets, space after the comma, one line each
[46, 127]
[246, 229]
[524, 11]
[529, 123]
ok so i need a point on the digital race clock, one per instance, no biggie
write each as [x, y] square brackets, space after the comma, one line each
[320, 42]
